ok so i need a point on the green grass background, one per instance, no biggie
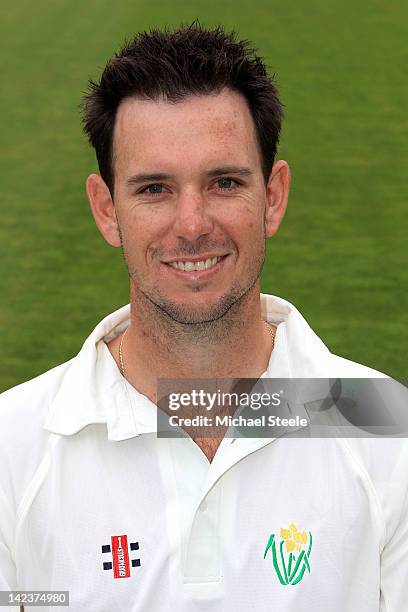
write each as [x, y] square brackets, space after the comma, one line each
[341, 254]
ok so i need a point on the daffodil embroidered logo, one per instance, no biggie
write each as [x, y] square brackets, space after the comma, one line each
[291, 556]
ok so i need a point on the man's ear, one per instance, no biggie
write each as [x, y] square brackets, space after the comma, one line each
[103, 209]
[277, 193]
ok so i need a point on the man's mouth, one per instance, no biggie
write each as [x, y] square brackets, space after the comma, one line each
[191, 266]
[196, 269]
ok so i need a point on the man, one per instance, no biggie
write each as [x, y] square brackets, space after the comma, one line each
[185, 125]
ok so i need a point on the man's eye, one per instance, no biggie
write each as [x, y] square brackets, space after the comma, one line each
[156, 188]
[226, 183]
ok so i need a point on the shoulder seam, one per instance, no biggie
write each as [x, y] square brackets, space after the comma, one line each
[34, 484]
[367, 478]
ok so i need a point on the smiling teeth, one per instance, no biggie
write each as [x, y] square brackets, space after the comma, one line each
[190, 266]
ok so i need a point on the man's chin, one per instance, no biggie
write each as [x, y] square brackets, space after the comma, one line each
[187, 314]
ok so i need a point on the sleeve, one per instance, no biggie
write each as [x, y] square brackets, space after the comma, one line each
[7, 565]
[8, 580]
[394, 557]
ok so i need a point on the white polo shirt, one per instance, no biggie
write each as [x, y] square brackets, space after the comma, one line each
[91, 501]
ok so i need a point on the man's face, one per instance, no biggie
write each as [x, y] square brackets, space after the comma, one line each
[190, 202]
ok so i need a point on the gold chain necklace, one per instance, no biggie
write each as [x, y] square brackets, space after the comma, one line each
[271, 329]
[121, 364]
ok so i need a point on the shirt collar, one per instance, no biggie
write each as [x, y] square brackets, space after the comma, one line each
[298, 351]
[92, 389]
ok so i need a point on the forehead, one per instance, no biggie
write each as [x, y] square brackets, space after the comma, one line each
[198, 130]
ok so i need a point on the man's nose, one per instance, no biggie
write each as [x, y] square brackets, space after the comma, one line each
[192, 216]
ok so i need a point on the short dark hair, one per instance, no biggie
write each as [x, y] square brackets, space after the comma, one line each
[174, 64]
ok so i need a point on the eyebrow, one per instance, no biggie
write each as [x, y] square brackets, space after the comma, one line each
[160, 176]
[145, 178]
[237, 170]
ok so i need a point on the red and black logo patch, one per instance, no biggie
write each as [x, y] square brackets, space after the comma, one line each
[120, 549]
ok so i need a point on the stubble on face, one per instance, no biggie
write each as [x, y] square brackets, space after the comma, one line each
[214, 318]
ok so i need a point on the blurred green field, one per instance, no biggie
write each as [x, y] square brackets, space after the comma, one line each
[341, 255]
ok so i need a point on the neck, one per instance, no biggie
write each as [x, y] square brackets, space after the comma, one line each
[238, 345]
